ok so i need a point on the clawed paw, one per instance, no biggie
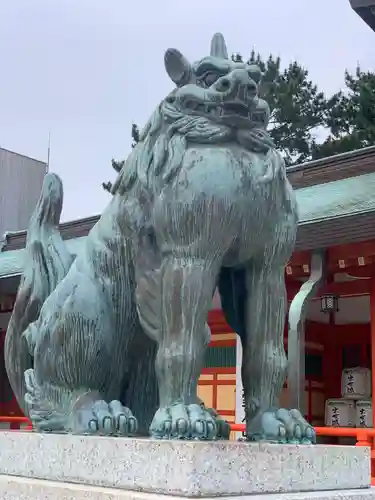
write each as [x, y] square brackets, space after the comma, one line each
[181, 421]
[106, 418]
[112, 418]
[222, 426]
[281, 426]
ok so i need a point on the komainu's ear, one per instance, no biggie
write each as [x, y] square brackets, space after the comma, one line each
[177, 66]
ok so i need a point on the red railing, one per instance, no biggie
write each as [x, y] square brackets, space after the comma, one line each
[16, 422]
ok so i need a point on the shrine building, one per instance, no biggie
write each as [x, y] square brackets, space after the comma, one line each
[330, 283]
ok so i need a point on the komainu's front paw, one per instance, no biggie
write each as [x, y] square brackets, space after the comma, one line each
[222, 426]
[106, 419]
[181, 421]
[281, 426]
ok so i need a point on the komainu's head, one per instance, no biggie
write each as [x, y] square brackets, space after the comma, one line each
[217, 88]
[215, 101]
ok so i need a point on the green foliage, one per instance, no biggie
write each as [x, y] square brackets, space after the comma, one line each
[298, 108]
[135, 135]
[351, 116]
[117, 165]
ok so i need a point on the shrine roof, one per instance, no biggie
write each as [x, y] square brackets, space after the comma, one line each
[336, 199]
[11, 262]
[333, 168]
[336, 212]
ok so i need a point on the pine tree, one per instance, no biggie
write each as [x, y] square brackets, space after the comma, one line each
[298, 108]
[135, 135]
[117, 165]
[351, 116]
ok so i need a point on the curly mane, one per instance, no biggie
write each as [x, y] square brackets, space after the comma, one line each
[158, 156]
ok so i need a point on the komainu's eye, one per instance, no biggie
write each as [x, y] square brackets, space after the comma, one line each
[210, 78]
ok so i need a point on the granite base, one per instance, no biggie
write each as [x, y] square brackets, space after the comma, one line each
[15, 488]
[180, 468]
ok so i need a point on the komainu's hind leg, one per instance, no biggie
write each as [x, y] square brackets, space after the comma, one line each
[79, 361]
[264, 362]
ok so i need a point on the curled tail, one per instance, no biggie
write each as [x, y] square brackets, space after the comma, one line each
[46, 263]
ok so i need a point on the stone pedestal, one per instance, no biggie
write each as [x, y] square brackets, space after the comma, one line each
[53, 466]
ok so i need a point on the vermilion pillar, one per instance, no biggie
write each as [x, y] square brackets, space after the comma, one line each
[372, 316]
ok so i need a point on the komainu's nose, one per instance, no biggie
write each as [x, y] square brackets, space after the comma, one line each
[238, 80]
[243, 78]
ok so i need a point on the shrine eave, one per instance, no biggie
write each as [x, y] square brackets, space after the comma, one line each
[366, 10]
[333, 168]
[336, 212]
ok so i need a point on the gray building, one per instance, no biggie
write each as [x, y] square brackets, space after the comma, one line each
[21, 180]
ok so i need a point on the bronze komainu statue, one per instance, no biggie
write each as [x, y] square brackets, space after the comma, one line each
[201, 202]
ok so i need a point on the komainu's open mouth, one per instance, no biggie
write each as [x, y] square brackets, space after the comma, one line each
[236, 108]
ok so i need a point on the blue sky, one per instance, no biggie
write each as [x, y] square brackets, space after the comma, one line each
[84, 70]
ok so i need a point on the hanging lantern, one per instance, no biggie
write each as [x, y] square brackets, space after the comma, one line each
[329, 303]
